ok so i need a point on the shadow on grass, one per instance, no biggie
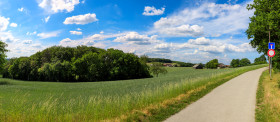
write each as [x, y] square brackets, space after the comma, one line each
[4, 82]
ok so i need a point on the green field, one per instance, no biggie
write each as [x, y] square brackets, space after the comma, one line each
[93, 101]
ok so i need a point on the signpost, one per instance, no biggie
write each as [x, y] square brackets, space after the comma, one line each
[271, 53]
[271, 45]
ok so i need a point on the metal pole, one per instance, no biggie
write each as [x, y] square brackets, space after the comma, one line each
[270, 67]
[269, 58]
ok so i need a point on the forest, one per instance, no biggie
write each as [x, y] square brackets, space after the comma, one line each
[76, 64]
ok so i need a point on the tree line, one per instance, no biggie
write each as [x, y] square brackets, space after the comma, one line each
[79, 63]
[163, 60]
[213, 64]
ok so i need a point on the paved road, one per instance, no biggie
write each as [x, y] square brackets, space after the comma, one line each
[233, 101]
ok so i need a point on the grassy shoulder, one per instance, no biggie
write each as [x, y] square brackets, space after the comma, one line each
[268, 98]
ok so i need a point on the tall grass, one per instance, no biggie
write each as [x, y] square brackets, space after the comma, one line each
[268, 98]
[49, 101]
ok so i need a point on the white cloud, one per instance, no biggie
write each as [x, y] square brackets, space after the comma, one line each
[31, 33]
[54, 6]
[216, 19]
[199, 41]
[20, 47]
[13, 25]
[48, 34]
[76, 32]
[21, 9]
[151, 11]
[79, 29]
[181, 31]
[27, 42]
[81, 19]
[163, 48]
[7, 37]
[83, 1]
[135, 38]
[47, 19]
[73, 43]
[4, 22]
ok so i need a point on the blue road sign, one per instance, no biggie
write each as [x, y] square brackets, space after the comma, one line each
[271, 45]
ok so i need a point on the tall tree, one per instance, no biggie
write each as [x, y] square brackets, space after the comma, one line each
[260, 60]
[235, 63]
[156, 68]
[3, 56]
[244, 62]
[266, 20]
[213, 64]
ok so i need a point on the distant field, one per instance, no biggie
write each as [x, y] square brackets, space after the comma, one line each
[53, 101]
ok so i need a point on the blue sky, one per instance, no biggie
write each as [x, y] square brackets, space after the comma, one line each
[186, 30]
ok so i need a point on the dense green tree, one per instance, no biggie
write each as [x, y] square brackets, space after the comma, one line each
[266, 19]
[235, 63]
[3, 56]
[77, 64]
[156, 68]
[260, 60]
[213, 64]
[244, 62]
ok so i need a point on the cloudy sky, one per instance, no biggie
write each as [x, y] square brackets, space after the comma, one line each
[186, 30]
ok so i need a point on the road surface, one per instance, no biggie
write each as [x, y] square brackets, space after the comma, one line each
[233, 101]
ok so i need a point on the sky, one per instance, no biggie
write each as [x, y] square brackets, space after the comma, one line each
[193, 31]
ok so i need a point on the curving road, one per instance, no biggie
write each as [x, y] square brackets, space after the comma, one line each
[233, 101]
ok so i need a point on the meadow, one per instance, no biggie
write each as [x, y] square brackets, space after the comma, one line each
[95, 101]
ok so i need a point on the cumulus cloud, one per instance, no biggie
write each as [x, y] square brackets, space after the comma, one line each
[151, 11]
[199, 41]
[20, 47]
[47, 19]
[7, 37]
[13, 25]
[81, 19]
[163, 48]
[54, 6]
[73, 43]
[135, 38]
[48, 34]
[76, 32]
[4, 22]
[181, 31]
[216, 19]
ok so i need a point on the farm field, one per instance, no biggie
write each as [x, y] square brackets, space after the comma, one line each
[93, 101]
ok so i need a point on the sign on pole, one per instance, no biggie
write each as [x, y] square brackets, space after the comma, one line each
[271, 45]
[271, 53]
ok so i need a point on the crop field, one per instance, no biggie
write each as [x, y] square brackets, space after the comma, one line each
[93, 101]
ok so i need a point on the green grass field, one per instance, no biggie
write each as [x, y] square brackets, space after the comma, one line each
[93, 101]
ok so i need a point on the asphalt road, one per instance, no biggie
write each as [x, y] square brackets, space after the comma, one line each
[233, 101]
